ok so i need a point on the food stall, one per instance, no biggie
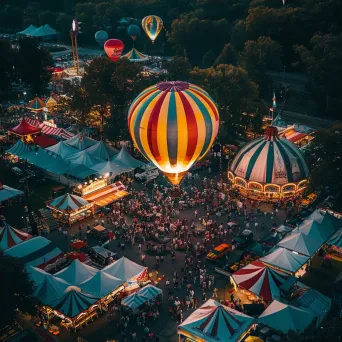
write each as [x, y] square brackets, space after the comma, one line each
[70, 208]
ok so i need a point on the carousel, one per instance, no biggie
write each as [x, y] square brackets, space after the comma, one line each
[270, 168]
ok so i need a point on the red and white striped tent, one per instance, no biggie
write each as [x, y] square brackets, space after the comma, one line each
[10, 236]
[261, 280]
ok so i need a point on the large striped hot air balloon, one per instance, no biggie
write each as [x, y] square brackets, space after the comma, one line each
[152, 25]
[173, 124]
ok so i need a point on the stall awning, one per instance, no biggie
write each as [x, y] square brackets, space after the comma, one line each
[107, 195]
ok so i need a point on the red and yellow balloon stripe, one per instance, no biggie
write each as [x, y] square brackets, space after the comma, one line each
[173, 124]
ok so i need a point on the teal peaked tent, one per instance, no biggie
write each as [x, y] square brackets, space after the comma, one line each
[124, 159]
[28, 31]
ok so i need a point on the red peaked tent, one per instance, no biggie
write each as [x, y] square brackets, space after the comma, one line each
[44, 141]
[260, 279]
[10, 236]
[24, 128]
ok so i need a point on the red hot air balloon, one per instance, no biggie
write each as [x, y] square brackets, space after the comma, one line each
[114, 48]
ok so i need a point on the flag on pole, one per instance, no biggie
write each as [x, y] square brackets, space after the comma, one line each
[274, 100]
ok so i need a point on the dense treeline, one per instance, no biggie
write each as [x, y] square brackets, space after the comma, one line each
[302, 35]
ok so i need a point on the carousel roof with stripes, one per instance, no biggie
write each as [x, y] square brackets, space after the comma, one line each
[10, 236]
[135, 56]
[270, 160]
[216, 322]
[260, 279]
[68, 203]
[36, 104]
[73, 303]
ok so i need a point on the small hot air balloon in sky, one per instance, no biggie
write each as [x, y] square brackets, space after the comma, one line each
[114, 48]
[133, 31]
[173, 124]
[101, 37]
[152, 25]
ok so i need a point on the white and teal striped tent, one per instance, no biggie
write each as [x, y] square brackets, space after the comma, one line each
[270, 160]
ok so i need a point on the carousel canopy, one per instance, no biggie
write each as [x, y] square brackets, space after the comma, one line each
[62, 149]
[124, 159]
[336, 239]
[6, 192]
[10, 236]
[36, 274]
[50, 289]
[77, 273]
[83, 158]
[125, 269]
[135, 56]
[300, 243]
[36, 105]
[73, 303]
[284, 317]
[101, 284]
[80, 142]
[110, 168]
[270, 160]
[260, 279]
[214, 322]
[285, 260]
[68, 203]
[102, 150]
[37, 252]
[24, 128]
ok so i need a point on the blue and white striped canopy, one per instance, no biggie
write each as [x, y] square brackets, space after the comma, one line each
[270, 160]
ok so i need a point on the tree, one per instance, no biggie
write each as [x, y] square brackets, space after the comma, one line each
[327, 165]
[323, 63]
[208, 59]
[32, 64]
[234, 93]
[178, 68]
[259, 56]
[16, 290]
[227, 56]
[7, 61]
[63, 26]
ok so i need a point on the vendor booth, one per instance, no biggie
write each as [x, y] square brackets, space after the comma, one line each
[10, 236]
[37, 252]
[261, 281]
[334, 249]
[284, 318]
[286, 261]
[147, 295]
[7, 193]
[70, 208]
[214, 322]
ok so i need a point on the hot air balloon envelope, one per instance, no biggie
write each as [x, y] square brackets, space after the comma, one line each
[152, 25]
[114, 48]
[133, 31]
[173, 124]
[101, 37]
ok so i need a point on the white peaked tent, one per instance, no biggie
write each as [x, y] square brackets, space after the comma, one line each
[83, 158]
[125, 269]
[300, 243]
[124, 159]
[284, 317]
[102, 150]
[110, 168]
[50, 289]
[77, 273]
[62, 149]
[285, 260]
[37, 275]
[214, 322]
[80, 142]
[101, 284]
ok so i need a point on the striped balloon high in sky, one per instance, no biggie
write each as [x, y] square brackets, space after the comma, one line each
[152, 25]
[173, 124]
